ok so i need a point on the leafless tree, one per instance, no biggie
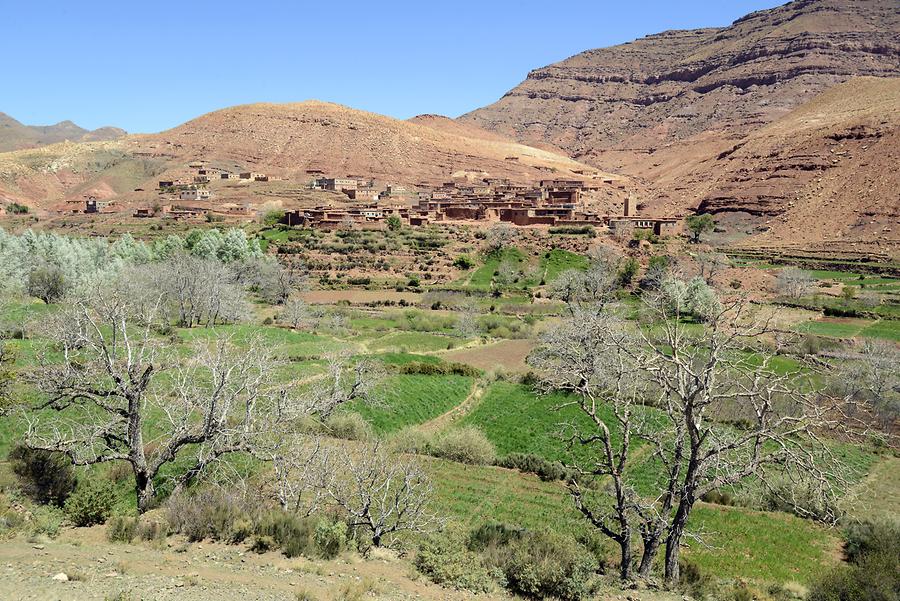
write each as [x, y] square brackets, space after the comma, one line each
[380, 492]
[595, 286]
[793, 282]
[711, 263]
[272, 280]
[198, 291]
[689, 380]
[297, 314]
[507, 273]
[872, 376]
[499, 236]
[467, 325]
[346, 380]
[99, 392]
[591, 355]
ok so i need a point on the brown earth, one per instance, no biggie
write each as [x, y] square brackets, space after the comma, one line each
[743, 121]
[208, 571]
[284, 141]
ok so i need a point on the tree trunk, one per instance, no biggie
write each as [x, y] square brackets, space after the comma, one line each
[626, 559]
[651, 549]
[673, 541]
[146, 491]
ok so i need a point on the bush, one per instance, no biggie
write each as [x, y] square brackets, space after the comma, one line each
[718, 498]
[349, 426]
[529, 463]
[330, 538]
[465, 445]
[865, 538]
[876, 577]
[152, 530]
[121, 529]
[209, 513]
[493, 535]
[15, 208]
[692, 580]
[91, 503]
[44, 476]
[439, 369]
[46, 520]
[294, 534]
[445, 560]
[410, 440]
[545, 564]
[464, 262]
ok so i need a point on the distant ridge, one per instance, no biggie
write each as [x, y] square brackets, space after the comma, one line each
[17, 136]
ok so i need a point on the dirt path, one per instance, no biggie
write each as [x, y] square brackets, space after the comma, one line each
[179, 571]
[444, 420]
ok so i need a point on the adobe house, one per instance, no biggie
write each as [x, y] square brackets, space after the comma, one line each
[362, 194]
[95, 205]
[143, 212]
[194, 194]
[338, 184]
[253, 176]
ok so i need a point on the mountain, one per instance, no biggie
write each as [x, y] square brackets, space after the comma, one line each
[285, 141]
[613, 107]
[288, 139]
[16, 136]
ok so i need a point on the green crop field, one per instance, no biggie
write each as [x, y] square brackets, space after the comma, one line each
[410, 399]
[556, 261]
[737, 543]
[414, 342]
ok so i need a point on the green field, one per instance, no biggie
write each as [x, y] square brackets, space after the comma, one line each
[409, 399]
[737, 543]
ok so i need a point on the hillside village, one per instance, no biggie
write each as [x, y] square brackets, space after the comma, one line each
[369, 204]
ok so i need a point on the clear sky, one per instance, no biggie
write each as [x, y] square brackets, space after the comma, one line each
[148, 65]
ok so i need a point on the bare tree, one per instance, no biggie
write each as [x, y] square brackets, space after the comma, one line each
[297, 314]
[872, 377]
[467, 325]
[380, 492]
[346, 380]
[99, 392]
[499, 236]
[591, 355]
[793, 282]
[693, 379]
[198, 291]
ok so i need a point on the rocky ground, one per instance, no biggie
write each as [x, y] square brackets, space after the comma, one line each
[82, 565]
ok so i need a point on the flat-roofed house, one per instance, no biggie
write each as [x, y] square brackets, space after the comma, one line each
[194, 194]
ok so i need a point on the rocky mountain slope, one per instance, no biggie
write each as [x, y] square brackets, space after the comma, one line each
[825, 174]
[614, 106]
[16, 136]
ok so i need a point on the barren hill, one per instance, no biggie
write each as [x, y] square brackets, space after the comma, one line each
[613, 106]
[288, 139]
[283, 140]
[16, 136]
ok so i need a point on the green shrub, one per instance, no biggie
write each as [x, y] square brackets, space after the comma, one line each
[263, 544]
[349, 426]
[91, 503]
[445, 560]
[44, 476]
[876, 577]
[121, 529]
[439, 369]
[545, 564]
[465, 445]
[493, 535]
[330, 538]
[464, 262]
[46, 520]
[15, 208]
[718, 498]
[864, 538]
[294, 534]
[533, 464]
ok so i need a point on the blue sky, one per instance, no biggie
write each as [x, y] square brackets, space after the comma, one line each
[150, 65]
